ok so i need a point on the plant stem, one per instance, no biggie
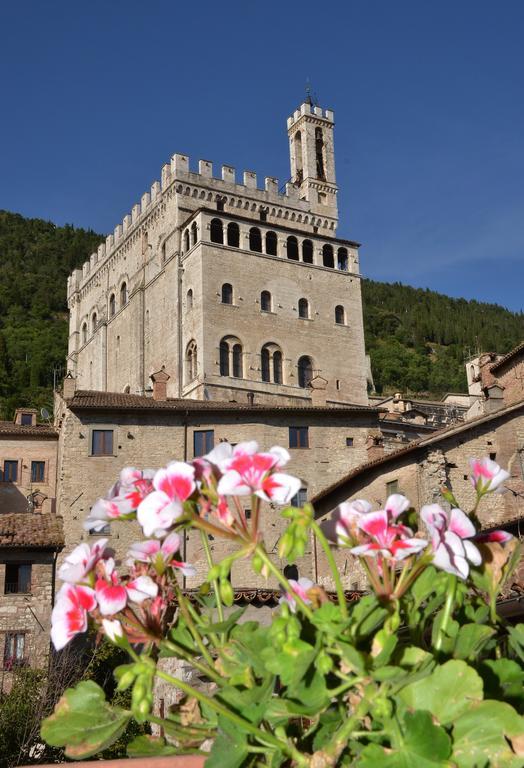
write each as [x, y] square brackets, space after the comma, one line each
[339, 740]
[210, 563]
[448, 609]
[220, 709]
[204, 668]
[192, 628]
[261, 552]
[203, 525]
[324, 543]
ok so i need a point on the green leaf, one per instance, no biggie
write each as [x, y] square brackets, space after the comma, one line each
[328, 618]
[447, 692]
[83, 722]
[411, 656]
[485, 734]
[504, 679]
[222, 626]
[471, 639]
[423, 745]
[366, 616]
[150, 746]
[292, 662]
[229, 749]
[516, 640]
[311, 692]
[427, 583]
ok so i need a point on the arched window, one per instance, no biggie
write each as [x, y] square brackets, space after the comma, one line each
[112, 305]
[224, 358]
[298, 158]
[84, 333]
[319, 152]
[163, 252]
[265, 359]
[342, 259]
[255, 240]
[271, 363]
[271, 244]
[186, 241]
[265, 301]
[231, 363]
[327, 256]
[227, 293]
[305, 371]
[233, 235]
[237, 361]
[292, 248]
[216, 231]
[303, 308]
[94, 320]
[191, 361]
[307, 251]
[123, 294]
[193, 233]
[340, 315]
[190, 299]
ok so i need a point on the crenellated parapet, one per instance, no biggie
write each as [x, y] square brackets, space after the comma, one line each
[312, 111]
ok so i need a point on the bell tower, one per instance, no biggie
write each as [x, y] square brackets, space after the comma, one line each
[312, 154]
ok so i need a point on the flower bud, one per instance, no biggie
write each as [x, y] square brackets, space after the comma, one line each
[226, 592]
[257, 563]
[324, 663]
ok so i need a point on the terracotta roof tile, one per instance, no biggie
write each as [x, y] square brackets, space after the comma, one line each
[115, 400]
[40, 430]
[513, 353]
[31, 530]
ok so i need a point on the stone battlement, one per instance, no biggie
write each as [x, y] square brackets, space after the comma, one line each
[309, 109]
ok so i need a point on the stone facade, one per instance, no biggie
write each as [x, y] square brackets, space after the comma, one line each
[149, 433]
[422, 468]
[205, 265]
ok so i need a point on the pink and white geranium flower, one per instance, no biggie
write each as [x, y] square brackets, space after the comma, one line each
[385, 538]
[348, 514]
[172, 486]
[450, 539]
[246, 472]
[113, 629]
[160, 554]
[122, 499]
[69, 616]
[112, 595]
[486, 475]
[79, 564]
[299, 587]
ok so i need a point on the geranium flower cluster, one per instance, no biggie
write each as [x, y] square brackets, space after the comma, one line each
[134, 605]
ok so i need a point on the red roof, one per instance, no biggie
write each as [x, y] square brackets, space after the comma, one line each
[31, 530]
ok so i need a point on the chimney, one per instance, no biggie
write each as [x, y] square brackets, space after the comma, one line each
[250, 398]
[68, 386]
[160, 379]
[375, 446]
[318, 386]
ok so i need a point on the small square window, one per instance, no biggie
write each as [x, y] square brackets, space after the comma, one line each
[203, 442]
[105, 531]
[102, 442]
[299, 437]
[391, 487]
[10, 474]
[492, 456]
[300, 498]
[27, 420]
[17, 578]
[349, 442]
[247, 513]
[37, 471]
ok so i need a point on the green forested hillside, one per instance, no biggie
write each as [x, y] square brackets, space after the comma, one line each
[417, 339]
[35, 260]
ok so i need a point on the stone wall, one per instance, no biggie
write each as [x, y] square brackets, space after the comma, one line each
[24, 450]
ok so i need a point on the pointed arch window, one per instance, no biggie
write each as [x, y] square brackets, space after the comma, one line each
[231, 357]
[227, 293]
[305, 371]
[298, 158]
[112, 305]
[190, 299]
[186, 241]
[271, 243]
[342, 259]
[191, 361]
[265, 301]
[327, 256]
[255, 240]
[194, 233]
[94, 321]
[307, 251]
[84, 333]
[340, 315]
[233, 234]
[216, 231]
[123, 294]
[292, 248]
[303, 308]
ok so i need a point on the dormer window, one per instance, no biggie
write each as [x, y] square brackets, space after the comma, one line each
[26, 419]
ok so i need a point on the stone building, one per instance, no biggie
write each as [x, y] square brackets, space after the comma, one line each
[102, 432]
[421, 468]
[236, 291]
[31, 536]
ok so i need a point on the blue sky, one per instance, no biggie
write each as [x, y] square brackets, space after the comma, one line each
[428, 101]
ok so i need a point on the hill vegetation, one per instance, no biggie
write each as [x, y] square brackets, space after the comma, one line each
[417, 339]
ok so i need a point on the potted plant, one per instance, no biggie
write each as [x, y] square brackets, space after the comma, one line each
[420, 672]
